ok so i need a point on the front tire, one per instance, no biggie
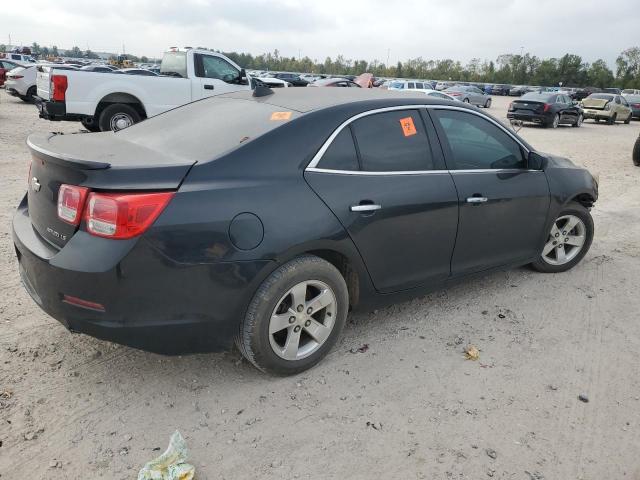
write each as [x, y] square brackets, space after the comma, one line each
[612, 119]
[487, 103]
[117, 117]
[568, 241]
[579, 121]
[628, 120]
[295, 317]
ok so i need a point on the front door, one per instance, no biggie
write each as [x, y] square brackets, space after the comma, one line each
[393, 196]
[214, 76]
[503, 204]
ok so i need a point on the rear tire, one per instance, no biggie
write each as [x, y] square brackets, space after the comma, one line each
[31, 92]
[585, 228]
[288, 292]
[555, 122]
[487, 103]
[466, 100]
[118, 116]
[91, 126]
[636, 153]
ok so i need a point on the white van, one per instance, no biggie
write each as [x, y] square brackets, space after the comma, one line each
[409, 85]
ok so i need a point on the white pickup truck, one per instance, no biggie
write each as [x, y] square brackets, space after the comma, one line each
[108, 101]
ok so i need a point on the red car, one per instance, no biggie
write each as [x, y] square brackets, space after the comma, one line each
[5, 66]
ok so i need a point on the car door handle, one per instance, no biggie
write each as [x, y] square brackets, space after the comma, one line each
[208, 87]
[369, 207]
[477, 200]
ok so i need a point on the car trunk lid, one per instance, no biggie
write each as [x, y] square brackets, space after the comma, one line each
[532, 106]
[98, 161]
[595, 103]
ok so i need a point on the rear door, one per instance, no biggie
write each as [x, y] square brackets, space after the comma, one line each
[503, 205]
[392, 194]
[214, 76]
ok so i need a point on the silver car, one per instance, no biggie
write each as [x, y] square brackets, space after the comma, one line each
[470, 94]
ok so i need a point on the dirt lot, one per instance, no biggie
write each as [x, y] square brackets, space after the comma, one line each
[410, 406]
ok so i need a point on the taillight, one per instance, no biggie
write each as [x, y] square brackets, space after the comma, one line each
[547, 107]
[58, 87]
[16, 77]
[71, 202]
[116, 215]
[636, 105]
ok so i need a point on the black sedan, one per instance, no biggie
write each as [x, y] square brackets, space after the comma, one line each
[293, 78]
[546, 109]
[265, 219]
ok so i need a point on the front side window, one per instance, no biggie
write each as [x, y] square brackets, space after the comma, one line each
[217, 68]
[341, 154]
[393, 141]
[476, 143]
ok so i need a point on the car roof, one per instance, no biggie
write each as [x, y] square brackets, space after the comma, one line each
[305, 100]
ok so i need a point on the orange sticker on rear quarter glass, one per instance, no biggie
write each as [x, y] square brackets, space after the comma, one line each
[408, 128]
[280, 115]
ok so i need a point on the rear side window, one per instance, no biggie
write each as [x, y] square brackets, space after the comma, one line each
[341, 155]
[476, 143]
[393, 141]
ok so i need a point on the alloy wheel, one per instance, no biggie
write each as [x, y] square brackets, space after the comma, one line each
[580, 120]
[302, 320]
[565, 240]
[556, 121]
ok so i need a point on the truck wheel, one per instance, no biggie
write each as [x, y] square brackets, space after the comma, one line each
[636, 153]
[295, 317]
[118, 116]
[90, 125]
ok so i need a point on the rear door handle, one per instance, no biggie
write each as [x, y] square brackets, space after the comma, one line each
[208, 87]
[370, 207]
[477, 200]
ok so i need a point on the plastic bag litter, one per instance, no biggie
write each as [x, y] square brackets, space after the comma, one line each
[171, 465]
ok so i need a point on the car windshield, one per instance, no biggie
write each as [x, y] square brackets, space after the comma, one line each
[538, 97]
[601, 96]
[174, 63]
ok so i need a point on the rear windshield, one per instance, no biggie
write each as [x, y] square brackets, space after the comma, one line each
[537, 97]
[208, 128]
[601, 96]
[174, 63]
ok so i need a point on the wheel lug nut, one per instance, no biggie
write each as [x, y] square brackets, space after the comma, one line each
[300, 308]
[309, 310]
[307, 323]
[297, 328]
[555, 243]
[564, 233]
[292, 319]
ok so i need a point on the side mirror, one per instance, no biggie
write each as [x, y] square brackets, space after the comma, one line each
[536, 161]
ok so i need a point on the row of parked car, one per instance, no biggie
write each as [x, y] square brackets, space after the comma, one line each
[551, 109]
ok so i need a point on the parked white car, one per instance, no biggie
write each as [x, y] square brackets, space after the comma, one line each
[112, 102]
[21, 81]
[408, 85]
[19, 58]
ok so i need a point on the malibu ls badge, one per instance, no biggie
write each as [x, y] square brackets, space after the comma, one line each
[35, 184]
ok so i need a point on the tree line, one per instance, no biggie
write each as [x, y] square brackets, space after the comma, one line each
[570, 69]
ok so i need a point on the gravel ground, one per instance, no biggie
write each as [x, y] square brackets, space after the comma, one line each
[409, 406]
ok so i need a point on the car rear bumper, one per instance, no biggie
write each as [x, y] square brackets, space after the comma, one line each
[53, 110]
[147, 301]
[528, 117]
[591, 113]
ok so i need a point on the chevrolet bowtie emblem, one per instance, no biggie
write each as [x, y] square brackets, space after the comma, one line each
[35, 184]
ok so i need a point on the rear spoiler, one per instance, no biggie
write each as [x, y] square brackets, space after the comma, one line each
[36, 143]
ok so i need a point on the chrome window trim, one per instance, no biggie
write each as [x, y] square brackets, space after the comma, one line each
[420, 172]
[312, 166]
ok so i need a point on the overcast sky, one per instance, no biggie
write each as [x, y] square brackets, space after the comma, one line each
[458, 29]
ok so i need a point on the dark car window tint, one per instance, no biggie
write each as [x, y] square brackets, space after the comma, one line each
[341, 155]
[476, 143]
[393, 141]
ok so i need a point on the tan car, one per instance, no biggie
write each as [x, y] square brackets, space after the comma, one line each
[607, 106]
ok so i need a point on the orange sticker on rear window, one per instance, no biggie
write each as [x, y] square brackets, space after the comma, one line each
[408, 128]
[280, 115]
